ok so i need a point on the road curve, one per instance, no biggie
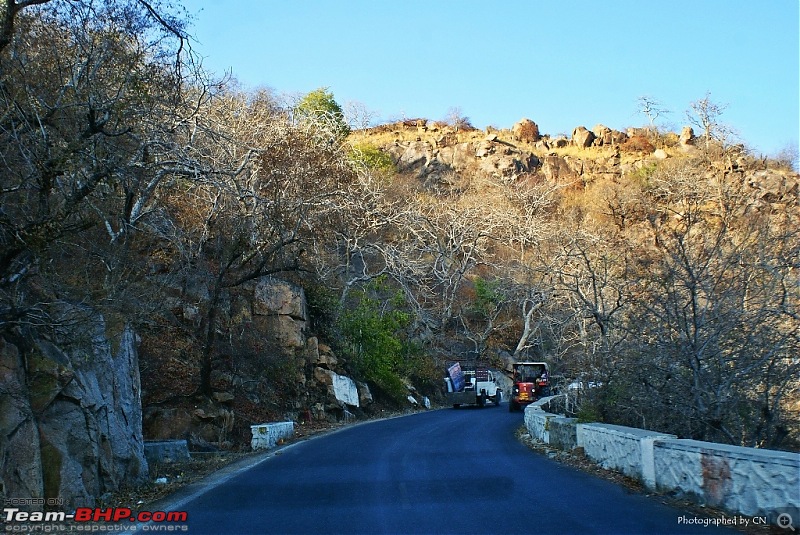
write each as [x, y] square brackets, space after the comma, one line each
[438, 472]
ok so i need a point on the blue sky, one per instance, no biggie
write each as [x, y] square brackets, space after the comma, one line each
[559, 63]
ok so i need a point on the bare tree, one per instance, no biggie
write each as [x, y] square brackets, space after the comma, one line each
[705, 114]
[358, 116]
[455, 117]
[258, 218]
[454, 242]
[593, 277]
[91, 95]
[717, 316]
[652, 109]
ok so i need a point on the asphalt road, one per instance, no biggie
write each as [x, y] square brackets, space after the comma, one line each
[438, 472]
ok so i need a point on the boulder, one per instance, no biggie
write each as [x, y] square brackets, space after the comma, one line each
[558, 170]
[167, 423]
[633, 132]
[581, 137]
[364, 393]
[485, 149]
[457, 157]
[509, 166]
[320, 354]
[411, 156]
[618, 137]
[775, 187]
[526, 130]
[280, 312]
[603, 135]
[283, 329]
[687, 136]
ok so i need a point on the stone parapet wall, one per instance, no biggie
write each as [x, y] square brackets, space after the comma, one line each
[266, 436]
[624, 449]
[563, 433]
[747, 481]
[537, 422]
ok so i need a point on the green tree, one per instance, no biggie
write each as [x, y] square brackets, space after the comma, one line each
[373, 332]
[319, 108]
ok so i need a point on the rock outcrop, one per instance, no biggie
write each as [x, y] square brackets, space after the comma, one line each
[435, 162]
[687, 136]
[70, 415]
[340, 387]
[280, 308]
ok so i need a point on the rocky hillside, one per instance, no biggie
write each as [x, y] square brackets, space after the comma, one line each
[438, 154]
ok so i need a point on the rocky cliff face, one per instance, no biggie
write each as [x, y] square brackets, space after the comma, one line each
[270, 367]
[70, 414]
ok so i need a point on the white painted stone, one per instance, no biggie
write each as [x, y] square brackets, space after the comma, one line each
[265, 436]
[345, 390]
[341, 387]
[648, 461]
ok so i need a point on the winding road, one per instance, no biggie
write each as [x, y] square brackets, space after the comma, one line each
[437, 472]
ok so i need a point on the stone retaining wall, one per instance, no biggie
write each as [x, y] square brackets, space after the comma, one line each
[166, 451]
[747, 481]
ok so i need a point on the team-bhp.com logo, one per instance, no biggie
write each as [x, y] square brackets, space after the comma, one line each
[96, 519]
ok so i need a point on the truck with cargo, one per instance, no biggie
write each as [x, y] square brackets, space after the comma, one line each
[471, 387]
